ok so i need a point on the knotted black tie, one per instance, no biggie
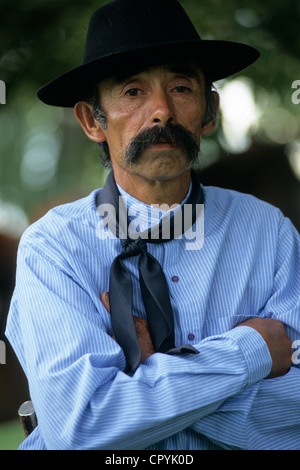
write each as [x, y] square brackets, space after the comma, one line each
[154, 287]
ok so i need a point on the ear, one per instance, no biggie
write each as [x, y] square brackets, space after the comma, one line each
[210, 126]
[84, 114]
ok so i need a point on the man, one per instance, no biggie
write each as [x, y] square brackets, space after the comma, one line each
[190, 350]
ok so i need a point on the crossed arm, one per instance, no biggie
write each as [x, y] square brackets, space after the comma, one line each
[83, 399]
[272, 331]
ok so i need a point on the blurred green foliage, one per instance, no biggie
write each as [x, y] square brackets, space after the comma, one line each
[11, 435]
[45, 157]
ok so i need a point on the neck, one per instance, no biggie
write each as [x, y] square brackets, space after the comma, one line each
[155, 191]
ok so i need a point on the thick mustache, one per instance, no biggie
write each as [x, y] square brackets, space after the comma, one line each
[176, 135]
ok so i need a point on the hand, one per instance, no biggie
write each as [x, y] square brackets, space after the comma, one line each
[279, 344]
[142, 330]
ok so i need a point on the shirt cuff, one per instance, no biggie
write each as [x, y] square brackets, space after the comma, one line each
[255, 351]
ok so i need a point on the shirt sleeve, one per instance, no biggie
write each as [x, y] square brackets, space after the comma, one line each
[266, 416]
[81, 395]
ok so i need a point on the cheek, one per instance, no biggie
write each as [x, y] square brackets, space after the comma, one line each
[191, 116]
[120, 131]
[124, 123]
[194, 125]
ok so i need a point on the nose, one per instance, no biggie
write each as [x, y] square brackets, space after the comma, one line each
[161, 108]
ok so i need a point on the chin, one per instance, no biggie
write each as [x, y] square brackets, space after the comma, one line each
[164, 172]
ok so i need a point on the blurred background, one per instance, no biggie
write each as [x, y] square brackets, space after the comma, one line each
[45, 159]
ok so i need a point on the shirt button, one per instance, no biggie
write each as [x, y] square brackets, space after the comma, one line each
[175, 278]
[191, 336]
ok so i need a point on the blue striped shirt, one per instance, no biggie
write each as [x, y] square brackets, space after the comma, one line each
[248, 266]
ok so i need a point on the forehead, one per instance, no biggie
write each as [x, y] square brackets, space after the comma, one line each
[189, 70]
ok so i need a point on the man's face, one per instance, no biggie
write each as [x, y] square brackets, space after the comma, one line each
[153, 100]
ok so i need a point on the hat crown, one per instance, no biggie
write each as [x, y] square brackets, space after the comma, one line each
[125, 25]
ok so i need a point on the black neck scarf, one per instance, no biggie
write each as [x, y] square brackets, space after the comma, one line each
[153, 283]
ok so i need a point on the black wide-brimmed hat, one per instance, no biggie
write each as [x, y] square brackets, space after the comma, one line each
[127, 33]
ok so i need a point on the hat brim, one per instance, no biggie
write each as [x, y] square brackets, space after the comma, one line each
[218, 59]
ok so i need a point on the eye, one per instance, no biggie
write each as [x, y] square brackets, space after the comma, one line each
[182, 89]
[133, 92]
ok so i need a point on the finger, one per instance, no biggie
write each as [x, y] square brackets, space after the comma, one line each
[105, 300]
